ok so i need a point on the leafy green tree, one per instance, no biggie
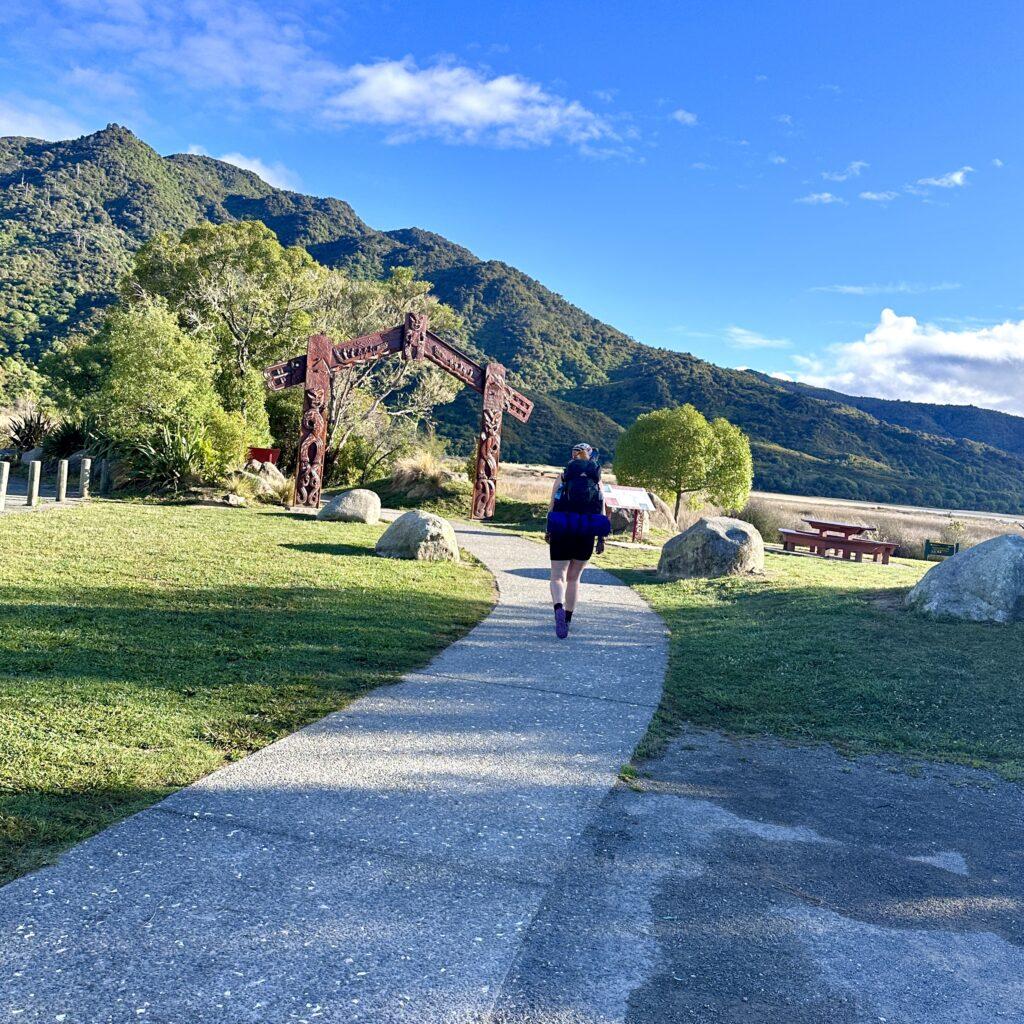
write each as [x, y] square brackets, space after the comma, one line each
[235, 283]
[392, 388]
[677, 452]
[157, 374]
[732, 475]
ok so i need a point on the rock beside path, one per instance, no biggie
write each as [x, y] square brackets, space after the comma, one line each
[355, 506]
[715, 546]
[421, 536]
[982, 584]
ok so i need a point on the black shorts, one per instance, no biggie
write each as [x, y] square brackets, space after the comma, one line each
[567, 546]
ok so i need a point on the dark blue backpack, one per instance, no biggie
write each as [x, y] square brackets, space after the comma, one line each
[581, 487]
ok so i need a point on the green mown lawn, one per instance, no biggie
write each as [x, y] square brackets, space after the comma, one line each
[820, 650]
[143, 646]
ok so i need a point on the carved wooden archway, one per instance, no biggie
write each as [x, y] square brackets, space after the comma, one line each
[413, 340]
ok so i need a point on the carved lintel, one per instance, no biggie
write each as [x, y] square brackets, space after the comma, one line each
[488, 452]
[313, 426]
[286, 374]
[366, 348]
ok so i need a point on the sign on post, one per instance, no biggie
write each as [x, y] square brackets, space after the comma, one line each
[629, 499]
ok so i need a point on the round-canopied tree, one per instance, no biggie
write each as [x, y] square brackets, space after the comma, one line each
[676, 452]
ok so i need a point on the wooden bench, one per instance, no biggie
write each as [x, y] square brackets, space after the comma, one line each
[849, 547]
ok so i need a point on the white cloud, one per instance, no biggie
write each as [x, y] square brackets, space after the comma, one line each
[275, 174]
[684, 117]
[786, 119]
[893, 288]
[852, 170]
[701, 166]
[740, 337]
[36, 119]
[903, 358]
[954, 179]
[234, 56]
[774, 158]
[996, 162]
[880, 197]
[459, 104]
[821, 199]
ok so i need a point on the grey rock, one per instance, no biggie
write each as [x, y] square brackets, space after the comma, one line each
[266, 479]
[982, 584]
[421, 536]
[356, 506]
[714, 546]
[32, 456]
[233, 501]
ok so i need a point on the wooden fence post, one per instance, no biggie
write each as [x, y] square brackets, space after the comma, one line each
[105, 477]
[5, 472]
[35, 468]
[84, 473]
[62, 480]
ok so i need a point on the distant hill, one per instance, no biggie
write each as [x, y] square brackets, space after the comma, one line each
[72, 213]
[988, 426]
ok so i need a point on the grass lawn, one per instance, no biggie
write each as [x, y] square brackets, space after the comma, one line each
[143, 646]
[820, 650]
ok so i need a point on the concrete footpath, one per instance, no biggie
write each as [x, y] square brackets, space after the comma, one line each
[384, 864]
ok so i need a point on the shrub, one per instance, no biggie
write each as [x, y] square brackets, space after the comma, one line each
[29, 430]
[174, 459]
[766, 518]
[226, 436]
[420, 475]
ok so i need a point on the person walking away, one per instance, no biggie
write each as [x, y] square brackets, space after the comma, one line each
[577, 524]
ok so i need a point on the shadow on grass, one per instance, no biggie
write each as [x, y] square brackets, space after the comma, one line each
[359, 550]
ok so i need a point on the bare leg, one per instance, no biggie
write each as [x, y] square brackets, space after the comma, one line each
[558, 571]
[572, 586]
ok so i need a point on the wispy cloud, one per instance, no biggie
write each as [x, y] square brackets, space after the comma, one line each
[880, 197]
[686, 117]
[276, 174]
[954, 179]
[775, 158]
[904, 358]
[740, 337]
[821, 199]
[892, 288]
[36, 119]
[241, 56]
[996, 162]
[786, 119]
[852, 170]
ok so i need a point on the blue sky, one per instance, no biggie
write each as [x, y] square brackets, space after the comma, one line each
[825, 190]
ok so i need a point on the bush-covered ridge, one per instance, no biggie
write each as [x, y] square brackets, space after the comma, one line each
[72, 214]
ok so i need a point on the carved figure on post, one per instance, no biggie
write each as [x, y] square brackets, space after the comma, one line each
[313, 426]
[488, 452]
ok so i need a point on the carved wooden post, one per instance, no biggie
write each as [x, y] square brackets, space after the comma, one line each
[309, 475]
[488, 452]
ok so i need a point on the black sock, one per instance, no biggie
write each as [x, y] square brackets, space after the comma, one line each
[568, 615]
[558, 604]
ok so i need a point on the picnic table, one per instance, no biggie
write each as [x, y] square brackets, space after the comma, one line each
[846, 539]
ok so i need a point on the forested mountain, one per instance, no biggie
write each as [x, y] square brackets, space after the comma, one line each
[72, 213]
[988, 426]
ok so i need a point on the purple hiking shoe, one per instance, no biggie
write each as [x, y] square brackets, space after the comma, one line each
[561, 626]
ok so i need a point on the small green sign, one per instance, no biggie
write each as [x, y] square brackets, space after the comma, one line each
[937, 549]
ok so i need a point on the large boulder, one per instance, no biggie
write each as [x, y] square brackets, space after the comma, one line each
[982, 584]
[34, 455]
[421, 536]
[266, 479]
[356, 506]
[715, 546]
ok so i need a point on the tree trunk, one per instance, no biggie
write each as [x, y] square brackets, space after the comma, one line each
[679, 501]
